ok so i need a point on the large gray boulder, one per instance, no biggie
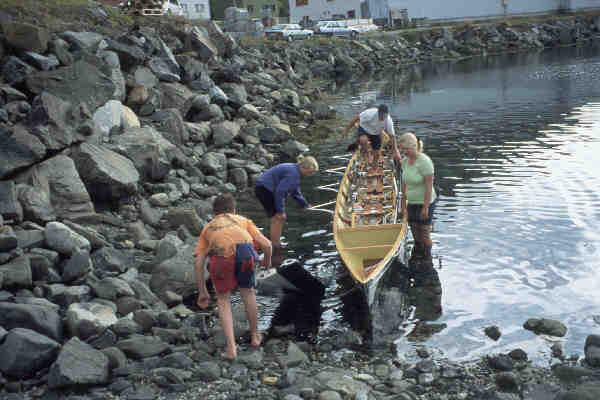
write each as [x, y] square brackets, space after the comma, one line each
[139, 347]
[81, 82]
[51, 119]
[592, 350]
[86, 319]
[214, 163]
[64, 240]
[108, 176]
[36, 204]
[26, 37]
[24, 352]
[37, 318]
[150, 152]
[200, 42]
[78, 364]
[83, 40]
[175, 274]
[18, 149]
[106, 118]
[225, 132]
[109, 288]
[170, 123]
[17, 272]
[59, 178]
[546, 326]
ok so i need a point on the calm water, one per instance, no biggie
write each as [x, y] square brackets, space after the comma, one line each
[516, 144]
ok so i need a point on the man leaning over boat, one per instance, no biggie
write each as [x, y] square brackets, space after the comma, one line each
[372, 122]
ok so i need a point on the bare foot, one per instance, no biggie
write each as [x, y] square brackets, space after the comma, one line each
[256, 340]
[229, 355]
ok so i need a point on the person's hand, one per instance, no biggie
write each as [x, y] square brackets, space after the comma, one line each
[281, 216]
[424, 213]
[397, 155]
[203, 299]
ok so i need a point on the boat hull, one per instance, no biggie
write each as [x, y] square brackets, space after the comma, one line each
[369, 229]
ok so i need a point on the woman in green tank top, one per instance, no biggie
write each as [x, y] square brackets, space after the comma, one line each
[418, 197]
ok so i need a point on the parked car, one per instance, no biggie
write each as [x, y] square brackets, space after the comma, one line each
[336, 28]
[288, 32]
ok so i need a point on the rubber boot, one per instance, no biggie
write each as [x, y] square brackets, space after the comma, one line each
[416, 254]
[427, 261]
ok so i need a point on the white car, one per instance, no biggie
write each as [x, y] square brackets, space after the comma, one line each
[336, 28]
[288, 32]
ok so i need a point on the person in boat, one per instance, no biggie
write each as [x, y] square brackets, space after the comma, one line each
[228, 240]
[275, 184]
[418, 197]
[371, 124]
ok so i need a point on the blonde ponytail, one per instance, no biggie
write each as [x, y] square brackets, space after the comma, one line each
[308, 162]
[410, 141]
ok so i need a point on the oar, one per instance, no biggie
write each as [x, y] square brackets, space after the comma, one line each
[319, 207]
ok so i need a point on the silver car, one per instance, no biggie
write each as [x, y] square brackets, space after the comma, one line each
[288, 32]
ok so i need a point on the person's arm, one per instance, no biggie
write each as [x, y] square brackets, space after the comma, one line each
[203, 297]
[428, 186]
[265, 245]
[403, 199]
[351, 124]
[389, 128]
[297, 195]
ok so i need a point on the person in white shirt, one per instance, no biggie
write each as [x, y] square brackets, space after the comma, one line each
[371, 124]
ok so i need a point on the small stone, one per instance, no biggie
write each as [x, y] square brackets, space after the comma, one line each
[493, 332]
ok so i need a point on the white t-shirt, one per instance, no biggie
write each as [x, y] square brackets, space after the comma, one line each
[370, 122]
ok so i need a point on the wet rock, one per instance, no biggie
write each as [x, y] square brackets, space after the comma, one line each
[493, 332]
[518, 355]
[592, 350]
[508, 382]
[208, 371]
[501, 362]
[587, 391]
[546, 326]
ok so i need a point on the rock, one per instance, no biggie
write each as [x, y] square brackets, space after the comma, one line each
[8, 239]
[77, 266]
[129, 56]
[293, 148]
[30, 238]
[16, 71]
[81, 82]
[61, 238]
[508, 382]
[110, 261]
[224, 132]
[150, 152]
[140, 347]
[586, 391]
[275, 133]
[83, 40]
[170, 123]
[36, 204]
[209, 371]
[106, 119]
[18, 149]
[249, 112]
[97, 241]
[66, 295]
[592, 350]
[493, 332]
[546, 326]
[17, 272]
[175, 274]
[200, 42]
[163, 71]
[26, 37]
[37, 318]
[239, 177]
[24, 352]
[501, 362]
[186, 217]
[78, 364]
[60, 48]
[9, 205]
[109, 288]
[116, 358]
[214, 164]
[174, 95]
[59, 178]
[294, 356]
[40, 61]
[108, 176]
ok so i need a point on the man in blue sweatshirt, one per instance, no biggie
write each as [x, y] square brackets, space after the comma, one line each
[273, 187]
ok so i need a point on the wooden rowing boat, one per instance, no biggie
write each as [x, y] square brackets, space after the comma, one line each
[368, 228]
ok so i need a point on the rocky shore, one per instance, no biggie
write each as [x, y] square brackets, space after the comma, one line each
[112, 147]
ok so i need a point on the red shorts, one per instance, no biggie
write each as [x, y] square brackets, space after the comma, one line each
[228, 273]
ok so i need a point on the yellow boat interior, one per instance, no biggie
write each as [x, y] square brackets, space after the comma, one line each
[368, 228]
